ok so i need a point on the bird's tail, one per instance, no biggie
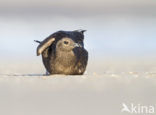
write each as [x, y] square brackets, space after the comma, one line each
[37, 41]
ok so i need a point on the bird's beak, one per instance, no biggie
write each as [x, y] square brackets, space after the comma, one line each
[77, 45]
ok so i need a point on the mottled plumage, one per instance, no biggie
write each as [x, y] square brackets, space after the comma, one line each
[63, 52]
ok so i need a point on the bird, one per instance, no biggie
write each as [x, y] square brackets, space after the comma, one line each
[63, 52]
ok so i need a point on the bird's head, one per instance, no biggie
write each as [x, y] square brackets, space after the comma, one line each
[67, 44]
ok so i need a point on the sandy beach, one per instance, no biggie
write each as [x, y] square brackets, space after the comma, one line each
[101, 90]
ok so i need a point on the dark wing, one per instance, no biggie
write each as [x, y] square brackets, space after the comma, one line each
[82, 59]
[80, 31]
[44, 44]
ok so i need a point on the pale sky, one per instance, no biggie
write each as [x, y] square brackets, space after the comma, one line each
[78, 7]
[114, 27]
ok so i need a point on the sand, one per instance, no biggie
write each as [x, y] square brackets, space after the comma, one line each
[25, 90]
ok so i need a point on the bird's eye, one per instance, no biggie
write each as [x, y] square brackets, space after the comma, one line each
[66, 42]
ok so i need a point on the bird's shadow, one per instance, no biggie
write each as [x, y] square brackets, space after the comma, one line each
[23, 75]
